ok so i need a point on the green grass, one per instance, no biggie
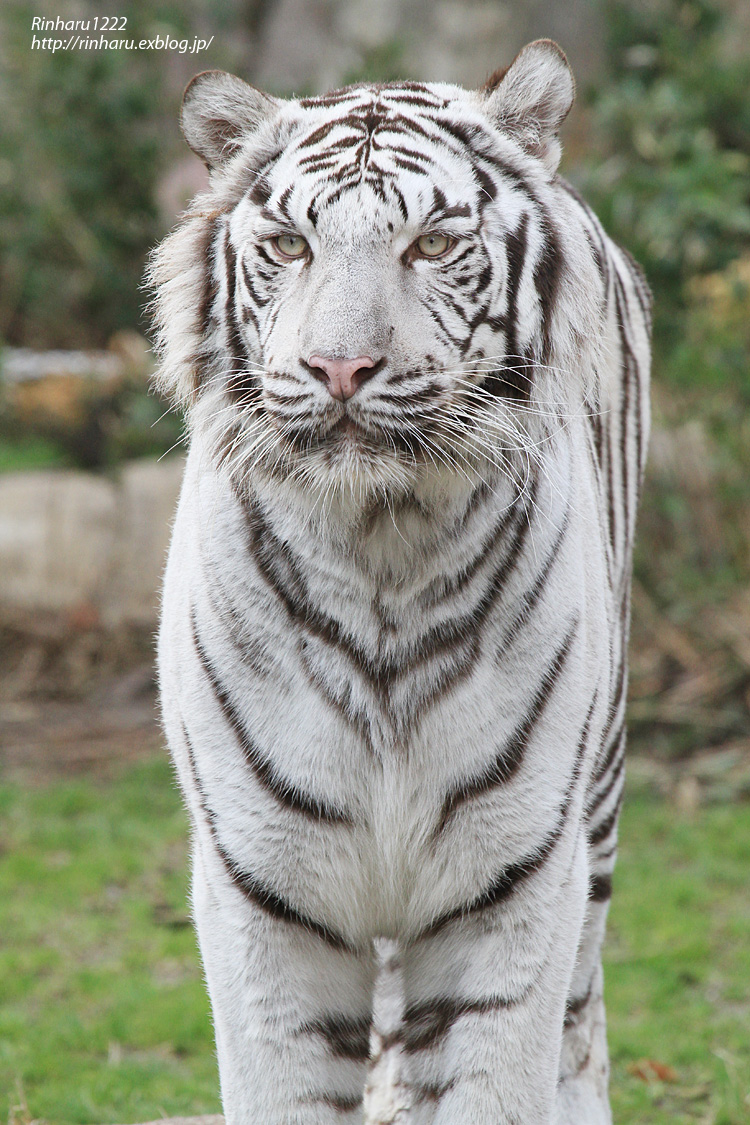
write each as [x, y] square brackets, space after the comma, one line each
[104, 1017]
[678, 964]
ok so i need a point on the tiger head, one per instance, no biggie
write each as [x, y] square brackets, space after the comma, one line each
[382, 284]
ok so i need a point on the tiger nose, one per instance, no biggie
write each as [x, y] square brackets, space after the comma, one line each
[342, 376]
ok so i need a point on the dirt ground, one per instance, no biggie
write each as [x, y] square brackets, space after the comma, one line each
[74, 699]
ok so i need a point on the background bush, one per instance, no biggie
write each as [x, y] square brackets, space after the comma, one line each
[80, 158]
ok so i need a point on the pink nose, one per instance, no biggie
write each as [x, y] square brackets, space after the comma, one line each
[342, 376]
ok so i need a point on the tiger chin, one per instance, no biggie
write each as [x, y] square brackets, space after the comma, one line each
[393, 647]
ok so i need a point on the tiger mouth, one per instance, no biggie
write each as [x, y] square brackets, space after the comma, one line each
[348, 434]
[346, 427]
[344, 432]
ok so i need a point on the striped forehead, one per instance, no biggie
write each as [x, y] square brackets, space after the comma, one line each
[394, 142]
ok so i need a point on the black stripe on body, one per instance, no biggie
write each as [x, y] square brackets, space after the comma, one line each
[604, 829]
[431, 1091]
[625, 419]
[512, 876]
[600, 888]
[509, 760]
[575, 1006]
[280, 571]
[594, 233]
[277, 907]
[347, 1037]
[426, 1023]
[532, 596]
[256, 892]
[611, 509]
[284, 791]
[341, 1102]
[597, 799]
[612, 746]
[641, 286]
[446, 588]
[616, 746]
[631, 384]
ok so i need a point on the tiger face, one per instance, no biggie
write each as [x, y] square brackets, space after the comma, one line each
[386, 276]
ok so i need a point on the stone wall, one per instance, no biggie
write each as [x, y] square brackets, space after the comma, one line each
[74, 542]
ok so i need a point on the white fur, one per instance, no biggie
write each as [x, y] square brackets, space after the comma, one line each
[303, 584]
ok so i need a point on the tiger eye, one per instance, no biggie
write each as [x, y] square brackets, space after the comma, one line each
[433, 245]
[291, 245]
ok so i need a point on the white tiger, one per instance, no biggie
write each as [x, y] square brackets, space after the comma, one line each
[393, 646]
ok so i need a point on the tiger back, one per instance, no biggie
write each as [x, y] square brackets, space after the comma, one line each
[394, 631]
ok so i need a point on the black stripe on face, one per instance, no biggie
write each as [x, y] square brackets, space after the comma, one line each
[427, 1023]
[237, 350]
[546, 280]
[508, 761]
[335, 97]
[242, 385]
[514, 379]
[345, 1036]
[209, 287]
[264, 772]
[254, 891]
[247, 277]
[260, 192]
[407, 163]
[516, 244]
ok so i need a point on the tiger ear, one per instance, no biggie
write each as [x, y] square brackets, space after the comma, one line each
[218, 111]
[531, 98]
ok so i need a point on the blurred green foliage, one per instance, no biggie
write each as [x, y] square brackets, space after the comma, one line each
[80, 157]
[671, 175]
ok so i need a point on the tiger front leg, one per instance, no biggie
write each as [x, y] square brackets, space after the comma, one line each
[583, 1095]
[292, 1010]
[485, 1005]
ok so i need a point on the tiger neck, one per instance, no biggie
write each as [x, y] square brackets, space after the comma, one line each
[402, 540]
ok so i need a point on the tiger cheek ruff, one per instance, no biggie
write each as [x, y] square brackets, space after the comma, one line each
[395, 617]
